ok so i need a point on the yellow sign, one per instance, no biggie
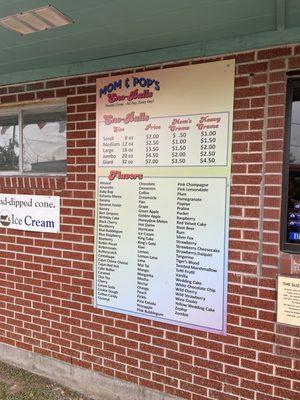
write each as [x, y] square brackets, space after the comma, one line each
[162, 205]
[288, 302]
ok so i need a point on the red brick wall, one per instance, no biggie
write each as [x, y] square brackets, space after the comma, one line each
[46, 280]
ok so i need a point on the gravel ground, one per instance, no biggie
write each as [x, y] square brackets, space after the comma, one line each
[17, 384]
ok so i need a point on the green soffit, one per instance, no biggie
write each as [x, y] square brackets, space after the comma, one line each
[114, 34]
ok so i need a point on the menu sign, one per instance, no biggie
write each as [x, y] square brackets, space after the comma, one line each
[163, 174]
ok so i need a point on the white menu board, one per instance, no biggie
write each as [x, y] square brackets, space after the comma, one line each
[163, 173]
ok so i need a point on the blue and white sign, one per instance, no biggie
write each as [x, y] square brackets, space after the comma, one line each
[30, 213]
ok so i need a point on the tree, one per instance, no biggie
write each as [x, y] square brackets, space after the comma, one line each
[9, 160]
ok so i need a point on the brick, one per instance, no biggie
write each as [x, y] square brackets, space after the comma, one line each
[257, 366]
[286, 394]
[201, 384]
[241, 103]
[276, 360]
[277, 64]
[252, 68]
[151, 384]
[276, 99]
[55, 84]
[81, 80]
[26, 96]
[288, 330]
[244, 57]
[8, 99]
[64, 92]
[240, 391]
[221, 396]
[259, 78]
[262, 396]
[250, 92]
[273, 53]
[294, 62]
[277, 76]
[35, 86]
[177, 392]
[274, 380]
[249, 114]
[258, 102]
[16, 89]
[77, 99]
[288, 373]
[287, 352]
[275, 88]
[45, 94]
[241, 81]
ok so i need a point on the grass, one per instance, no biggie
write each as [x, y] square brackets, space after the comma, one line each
[18, 384]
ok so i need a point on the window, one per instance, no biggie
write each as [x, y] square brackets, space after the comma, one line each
[33, 140]
[290, 217]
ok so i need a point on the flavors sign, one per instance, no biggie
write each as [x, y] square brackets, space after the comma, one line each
[30, 213]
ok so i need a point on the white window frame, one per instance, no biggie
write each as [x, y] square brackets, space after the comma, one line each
[18, 110]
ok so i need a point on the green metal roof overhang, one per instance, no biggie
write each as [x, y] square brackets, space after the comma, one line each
[115, 34]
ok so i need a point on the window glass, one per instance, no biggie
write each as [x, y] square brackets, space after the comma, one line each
[44, 140]
[293, 207]
[9, 143]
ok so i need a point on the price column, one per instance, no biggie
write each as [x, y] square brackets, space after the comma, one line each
[152, 148]
[208, 143]
[179, 144]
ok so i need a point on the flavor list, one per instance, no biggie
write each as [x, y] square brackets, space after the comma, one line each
[173, 232]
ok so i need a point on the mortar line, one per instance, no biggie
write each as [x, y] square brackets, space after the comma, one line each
[263, 173]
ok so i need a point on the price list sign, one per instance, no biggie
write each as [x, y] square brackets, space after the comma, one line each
[185, 140]
[163, 173]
